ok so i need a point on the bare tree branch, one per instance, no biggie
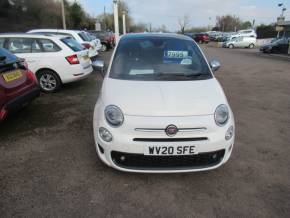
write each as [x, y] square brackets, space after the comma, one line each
[183, 22]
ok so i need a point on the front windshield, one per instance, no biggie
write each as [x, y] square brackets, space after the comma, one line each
[158, 58]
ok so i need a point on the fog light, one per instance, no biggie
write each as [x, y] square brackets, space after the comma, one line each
[229, 133]
[105, 134]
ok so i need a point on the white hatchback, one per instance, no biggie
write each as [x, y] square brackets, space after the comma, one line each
[55, 60]
[161, 109]
[93, 45]
[241, 42]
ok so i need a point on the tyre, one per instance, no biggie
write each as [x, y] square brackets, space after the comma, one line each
[251, 46]
[48, 81]
[231, 46]
[104, 47]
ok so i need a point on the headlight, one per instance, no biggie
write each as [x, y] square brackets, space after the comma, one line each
[114, 116]
[221, 115]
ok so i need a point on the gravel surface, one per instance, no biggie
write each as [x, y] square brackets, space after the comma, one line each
[49, 167]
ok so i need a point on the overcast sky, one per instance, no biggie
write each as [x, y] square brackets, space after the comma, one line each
[201, 12]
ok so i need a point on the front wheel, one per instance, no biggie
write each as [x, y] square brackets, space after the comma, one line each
[48, 81]
[231, 46]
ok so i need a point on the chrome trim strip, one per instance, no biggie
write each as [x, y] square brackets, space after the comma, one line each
[179, 130]
[149, 130]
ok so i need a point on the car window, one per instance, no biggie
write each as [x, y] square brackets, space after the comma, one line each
[49, 46]
[35, 47]
[2, 40]
[73, 44]
[152, 58]
[84, 36]
[20, 45]
[65, 34]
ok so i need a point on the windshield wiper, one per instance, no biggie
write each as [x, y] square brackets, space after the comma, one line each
[179, 76]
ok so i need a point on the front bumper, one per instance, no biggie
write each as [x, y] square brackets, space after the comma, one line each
[126, 153]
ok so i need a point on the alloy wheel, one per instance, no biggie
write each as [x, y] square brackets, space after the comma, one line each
[47, 82]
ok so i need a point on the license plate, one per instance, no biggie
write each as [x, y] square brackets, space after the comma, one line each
[169, 150]
[13, 75]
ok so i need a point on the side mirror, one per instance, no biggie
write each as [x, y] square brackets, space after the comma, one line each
[214, 65]
[99, 65]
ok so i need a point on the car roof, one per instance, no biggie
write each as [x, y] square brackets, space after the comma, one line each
[155, 35]
[31, 35]
[57, 30]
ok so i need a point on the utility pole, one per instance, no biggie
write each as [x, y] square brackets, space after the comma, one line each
[116, 20]
[63, 15]
[124, 22]
[105, 19]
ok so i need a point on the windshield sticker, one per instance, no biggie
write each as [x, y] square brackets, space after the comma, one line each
[141, 71]
[186, 61]
[176, 57]
[176, 54]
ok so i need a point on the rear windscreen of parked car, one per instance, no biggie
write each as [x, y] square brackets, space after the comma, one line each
[84, 37]
[156, 58]
[72, 44]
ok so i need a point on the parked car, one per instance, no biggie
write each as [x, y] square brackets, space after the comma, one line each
[18, 85]
[201, 38]
[279, 45]
[96, 40]
[80, 36]
[226, 36]
[244, 33]
[55, 60]
[240, 42]
[214, 36]
[161, 109]
[105, 37]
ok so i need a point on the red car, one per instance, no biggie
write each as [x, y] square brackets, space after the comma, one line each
[201, 38]
[18, 85]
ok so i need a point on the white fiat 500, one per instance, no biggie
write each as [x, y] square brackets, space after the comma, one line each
[161, 109]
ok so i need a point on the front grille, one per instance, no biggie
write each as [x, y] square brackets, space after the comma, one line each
[169, 139]
[142, 162]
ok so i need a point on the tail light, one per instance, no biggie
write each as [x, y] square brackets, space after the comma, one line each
[73, 59]
[31, 76]
[87, 45]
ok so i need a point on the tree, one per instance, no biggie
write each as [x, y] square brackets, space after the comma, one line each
[228, 23]
[196, 29]
[266, 31]
[23, 15]
[246, 25]
[139, 27]
[161, 28]
[183, 23]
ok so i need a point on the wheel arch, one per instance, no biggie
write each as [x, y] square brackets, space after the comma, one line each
[46, 68]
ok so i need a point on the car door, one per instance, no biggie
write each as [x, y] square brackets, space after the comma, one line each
[246, 41]
[279, 47]
[26, 48]
[284, 46]
[238, 42]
